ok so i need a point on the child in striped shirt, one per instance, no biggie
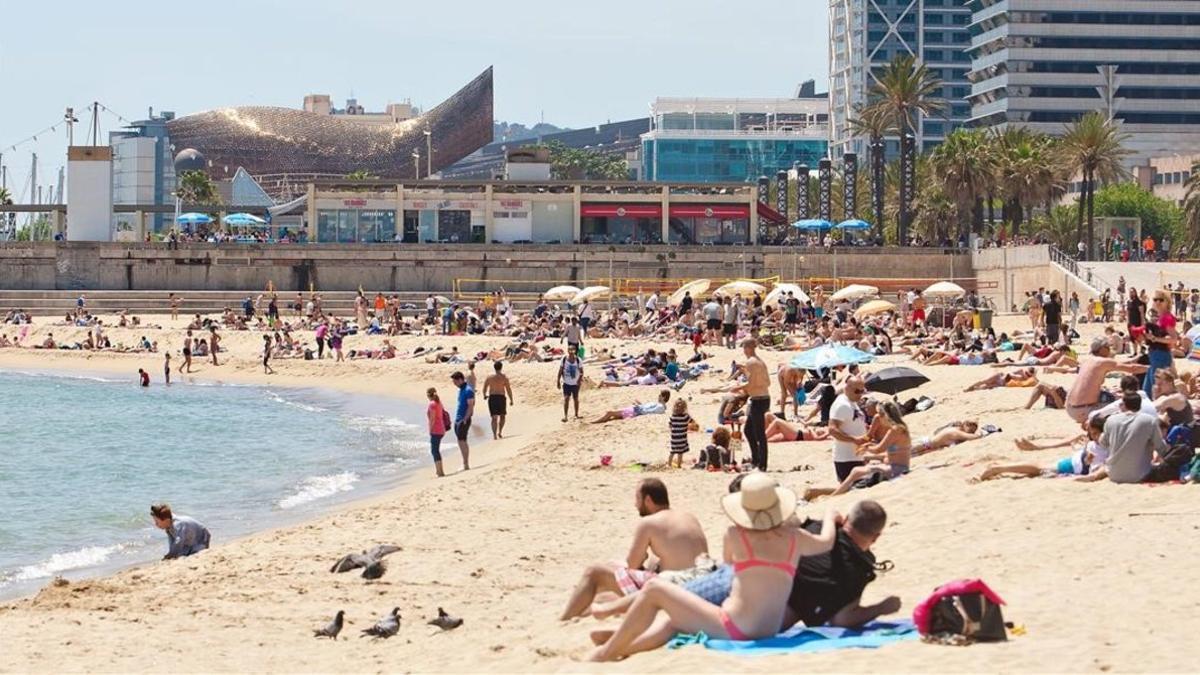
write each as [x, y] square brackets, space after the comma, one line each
[679, 422]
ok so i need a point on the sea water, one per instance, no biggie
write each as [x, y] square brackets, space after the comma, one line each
[83, 458]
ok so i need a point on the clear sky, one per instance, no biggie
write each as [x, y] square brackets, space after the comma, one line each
[575, 63]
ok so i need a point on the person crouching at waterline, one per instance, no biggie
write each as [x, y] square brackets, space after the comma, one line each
[185, 536]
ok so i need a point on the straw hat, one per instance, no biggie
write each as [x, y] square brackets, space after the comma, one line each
[761, 504]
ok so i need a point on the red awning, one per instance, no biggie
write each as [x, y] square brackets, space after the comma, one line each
[710, 211]
[771, 215]
[638, 210]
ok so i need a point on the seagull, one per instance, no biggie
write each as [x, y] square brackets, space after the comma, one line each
[386, 627]
[334, 627]
[445, 621]
[371, 561]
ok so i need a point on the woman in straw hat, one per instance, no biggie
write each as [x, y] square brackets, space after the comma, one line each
[763, 546]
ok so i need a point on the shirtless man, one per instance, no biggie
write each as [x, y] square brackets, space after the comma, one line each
[790, 381]
[675, 539]
[498, 392]
[758, 388]
[1087, 393]
[214, 344]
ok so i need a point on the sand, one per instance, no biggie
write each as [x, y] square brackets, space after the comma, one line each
[1094, 586]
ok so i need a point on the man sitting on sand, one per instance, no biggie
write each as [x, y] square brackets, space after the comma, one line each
[637, 409]
[1133, 441]
[1087, 394]
[185, 536]
[674, 538]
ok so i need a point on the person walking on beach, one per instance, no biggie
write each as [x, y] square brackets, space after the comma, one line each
[439, 424]
[266, 360]
[570, 375]
[187, 353]
[758, 388]
[498, 392]
[166, 367]
[185, 536]
[214, 344]
[320, 333]
[462, 416]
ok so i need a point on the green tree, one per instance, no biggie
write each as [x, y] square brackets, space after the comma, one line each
[582, 164]
[1160, 217]
[5, 196]
[1093, 148]
[1191, 206]
[195, 187]
[361, 174]
[1028, 172]
[38, 230]
[965, 168]
[1057, 225]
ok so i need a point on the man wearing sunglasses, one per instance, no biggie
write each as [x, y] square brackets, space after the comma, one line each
[848, 426]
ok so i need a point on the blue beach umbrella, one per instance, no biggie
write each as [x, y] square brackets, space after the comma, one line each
[244, 220]
[829, 356]
[194, 219]
[854, 224]
[813, 224]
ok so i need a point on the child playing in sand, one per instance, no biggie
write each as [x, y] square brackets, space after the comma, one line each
[679, 422]
[716, 456]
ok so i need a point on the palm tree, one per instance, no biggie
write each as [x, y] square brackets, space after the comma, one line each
[1191, 205]
[361, 174]
[5, 196]
[875, 124]
[1093, 148]
[966, 168]
[195, 187]
[903, 91]
[1027, 172]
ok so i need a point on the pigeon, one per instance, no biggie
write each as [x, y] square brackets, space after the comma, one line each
[371, 561]
[386, 627]
[334, 627]
[445, 621]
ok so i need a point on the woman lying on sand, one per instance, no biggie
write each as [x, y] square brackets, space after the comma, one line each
[763, 545]
[780, 430]
[948, 435]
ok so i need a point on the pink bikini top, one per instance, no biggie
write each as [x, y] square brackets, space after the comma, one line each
[740, 565]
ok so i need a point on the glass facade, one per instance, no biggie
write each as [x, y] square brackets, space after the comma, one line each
[620, 230]
[350, 226]
[717, 160]
[700, 230]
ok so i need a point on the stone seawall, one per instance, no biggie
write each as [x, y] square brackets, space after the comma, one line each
[418, 267]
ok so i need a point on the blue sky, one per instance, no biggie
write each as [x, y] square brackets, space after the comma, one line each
[576, 63]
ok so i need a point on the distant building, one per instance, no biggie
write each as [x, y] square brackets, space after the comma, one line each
[488, 162]
[321, 104]
[143, 164]
[1166, 176]
[866, 35]
[723, 140]
[1042, 64]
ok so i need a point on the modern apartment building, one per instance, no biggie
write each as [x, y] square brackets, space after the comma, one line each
[866, 35]
[1044, 63]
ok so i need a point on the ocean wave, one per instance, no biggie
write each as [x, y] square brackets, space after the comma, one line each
[65, 375]
[294, 404]
[380, 424]
[88, 556]
[319, 487]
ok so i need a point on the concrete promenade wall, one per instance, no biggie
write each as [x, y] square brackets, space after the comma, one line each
[1010, 273]
[418, 267]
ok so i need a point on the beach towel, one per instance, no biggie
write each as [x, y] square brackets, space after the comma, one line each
[801, 639]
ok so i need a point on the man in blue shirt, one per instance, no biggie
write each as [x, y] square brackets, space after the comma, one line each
[462, 415]
[185, 536]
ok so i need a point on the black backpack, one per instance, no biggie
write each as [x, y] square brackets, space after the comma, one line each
[968, 614]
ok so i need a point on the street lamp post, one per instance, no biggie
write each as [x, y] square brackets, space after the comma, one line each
[416, 155]
[428, 151]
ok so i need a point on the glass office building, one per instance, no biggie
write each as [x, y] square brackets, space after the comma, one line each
[866, 35]
[695, 140]
[1044, 63]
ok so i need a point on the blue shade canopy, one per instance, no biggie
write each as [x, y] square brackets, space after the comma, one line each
[854, 224]
[194, 219]
[829, 356]
[243, 220]
[813, 224]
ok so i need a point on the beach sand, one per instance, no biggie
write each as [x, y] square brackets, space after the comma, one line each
[1095, 584]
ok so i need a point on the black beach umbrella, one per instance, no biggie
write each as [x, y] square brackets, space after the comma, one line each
[895, 380]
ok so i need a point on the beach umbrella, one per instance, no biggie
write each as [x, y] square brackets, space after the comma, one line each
[243, 220]
[442, 299]
[591, 293]
[740, 288]
[695, 287]
[813, 224]
[874, 307]
[561, 293]
[782, 289]
[194, 219]
[895, 380]
[829, 356]
[854, 292]
[944, 289]
[853, 224]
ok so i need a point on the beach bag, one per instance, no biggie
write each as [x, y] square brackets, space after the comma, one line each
[446, 420]
[966, 608]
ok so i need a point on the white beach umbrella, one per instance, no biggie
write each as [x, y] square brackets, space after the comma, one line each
[781, 290]
[874, 307]
[561, 293]
[944, 289]
[443, 300]
[695, 287]
[854, 292]
[740, 287]
[591, 293]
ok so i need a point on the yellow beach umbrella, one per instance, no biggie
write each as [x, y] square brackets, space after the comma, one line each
[695, 287]
[874, 307]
